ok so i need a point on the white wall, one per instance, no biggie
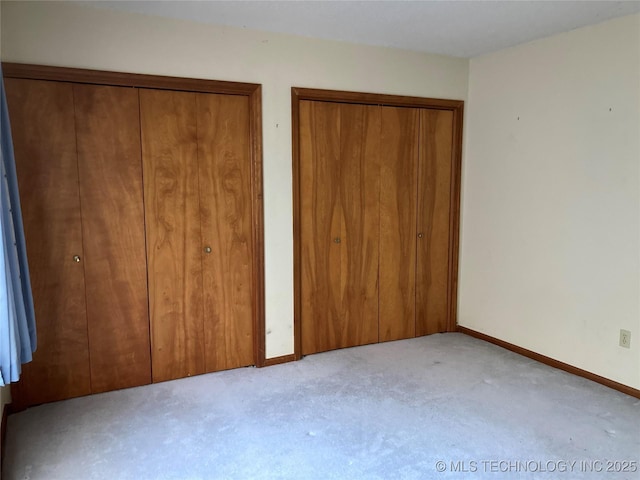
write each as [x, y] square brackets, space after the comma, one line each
[53, 33]
[550, 242]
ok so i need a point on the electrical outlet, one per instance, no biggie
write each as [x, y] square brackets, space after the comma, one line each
[625, 338]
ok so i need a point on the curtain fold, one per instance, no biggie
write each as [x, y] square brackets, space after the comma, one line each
[17, 318]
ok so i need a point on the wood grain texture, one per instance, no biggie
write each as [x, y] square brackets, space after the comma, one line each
[434, 197]
[321, 227]
[110, 171]
[398, 196]
[297, 223]
[255, 133]
[250, 90]
[80, 75]
[359, 200]
[339, 147]
[374, 98]
[300, 96]
[172, 212]
[454, 218]
[224, 164]
[44, 138]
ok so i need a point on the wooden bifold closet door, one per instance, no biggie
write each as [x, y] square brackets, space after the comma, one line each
[79, 172]
[43, 128]
[398, 191]
[434, 217]
[142, 210]
[340, 226]
[415, 198]
[110, 179]
[375, 222]
[195, 149]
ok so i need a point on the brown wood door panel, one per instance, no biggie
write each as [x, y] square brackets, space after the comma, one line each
[418, 182]
[359, 200]
[44, 138]
[172, 213]
[110, 170]
[433, 221]
[321, 227]
[224, 165]
[398, 191]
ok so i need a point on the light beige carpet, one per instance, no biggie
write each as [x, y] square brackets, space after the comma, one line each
[386, 411]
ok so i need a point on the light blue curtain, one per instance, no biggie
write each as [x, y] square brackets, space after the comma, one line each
[17, 318]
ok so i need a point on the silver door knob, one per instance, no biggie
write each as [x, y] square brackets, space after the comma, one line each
[420, 235]
[336, 240]
[76, 258]
[207, 249]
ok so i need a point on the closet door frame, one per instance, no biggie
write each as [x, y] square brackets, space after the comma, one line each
[251, 90]
[456, 106]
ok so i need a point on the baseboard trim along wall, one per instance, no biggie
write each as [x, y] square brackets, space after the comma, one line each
[278, 360]
[552, 362]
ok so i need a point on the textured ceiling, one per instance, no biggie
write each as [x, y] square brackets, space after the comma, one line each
[458, 28]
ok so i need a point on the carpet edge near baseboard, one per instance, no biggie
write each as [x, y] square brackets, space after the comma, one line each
[621, 387]
[278, 360]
